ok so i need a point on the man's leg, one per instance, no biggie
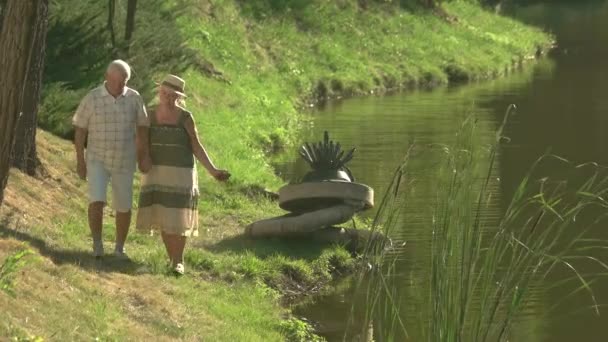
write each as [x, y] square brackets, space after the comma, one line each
[123, 221]
[122, 189]
[98, 179]
[95, 224]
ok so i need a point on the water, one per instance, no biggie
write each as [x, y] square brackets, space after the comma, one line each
[562, 105]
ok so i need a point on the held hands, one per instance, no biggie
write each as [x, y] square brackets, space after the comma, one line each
[220, 175]
[81, 169]
[144, 164]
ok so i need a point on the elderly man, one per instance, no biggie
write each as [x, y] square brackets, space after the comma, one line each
[113, 120]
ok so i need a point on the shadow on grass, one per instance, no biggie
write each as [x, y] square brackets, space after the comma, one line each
[305, 248]
[80, 258]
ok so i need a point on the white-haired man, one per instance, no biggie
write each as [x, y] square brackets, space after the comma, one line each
[113, 121]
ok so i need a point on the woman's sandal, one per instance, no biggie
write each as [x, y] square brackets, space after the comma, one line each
[179, 269]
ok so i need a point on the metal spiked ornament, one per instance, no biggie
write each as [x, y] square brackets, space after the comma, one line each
[327, 160]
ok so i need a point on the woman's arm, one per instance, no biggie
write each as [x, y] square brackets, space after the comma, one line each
[199, 151]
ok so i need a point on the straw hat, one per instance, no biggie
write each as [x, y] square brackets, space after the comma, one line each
[174, 83]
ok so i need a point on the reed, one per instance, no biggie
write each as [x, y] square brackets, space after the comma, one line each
[480, 270]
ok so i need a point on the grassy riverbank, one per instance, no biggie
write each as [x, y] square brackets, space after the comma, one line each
[250, 67]
[230, 283]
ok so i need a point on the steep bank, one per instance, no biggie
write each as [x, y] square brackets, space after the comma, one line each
[232, 292]
[250, 65]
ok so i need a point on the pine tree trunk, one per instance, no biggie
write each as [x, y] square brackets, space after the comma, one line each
[111, 12]
[2, 6]
[430, 3]
[24, 156]
[17, 37]
[130, 26]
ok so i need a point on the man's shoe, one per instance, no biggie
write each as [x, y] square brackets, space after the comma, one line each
[98, 250]
[121, 255]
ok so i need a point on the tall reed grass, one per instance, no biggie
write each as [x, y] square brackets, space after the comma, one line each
[481, 271]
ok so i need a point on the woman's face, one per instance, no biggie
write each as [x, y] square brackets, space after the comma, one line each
[166, 96]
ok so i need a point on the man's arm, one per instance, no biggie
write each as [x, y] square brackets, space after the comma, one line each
[79, 140]
[142, 137]
[81, 123]
[143, 151]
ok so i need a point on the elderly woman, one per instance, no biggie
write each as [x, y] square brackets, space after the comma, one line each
[169, 187]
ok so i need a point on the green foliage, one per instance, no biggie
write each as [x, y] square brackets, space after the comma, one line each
[59, 100]
[247, 76]
[282, 271]
[10, 267]
[249, 66]
[299, 331]
[79, 50]
[263, 8]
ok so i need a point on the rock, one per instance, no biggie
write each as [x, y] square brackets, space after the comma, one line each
[312, 196]
[298, 224]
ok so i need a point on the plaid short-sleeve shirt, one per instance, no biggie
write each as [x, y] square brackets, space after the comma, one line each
[111, 124]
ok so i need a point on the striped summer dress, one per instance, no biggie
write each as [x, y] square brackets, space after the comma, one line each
[169, 191]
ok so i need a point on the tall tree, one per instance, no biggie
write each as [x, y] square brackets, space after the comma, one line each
[2, 5]
[130, 26]
[24, 156]
[430, 3]
[111, 13]
[17, 36]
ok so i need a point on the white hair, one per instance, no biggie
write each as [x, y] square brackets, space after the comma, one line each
[121, 66]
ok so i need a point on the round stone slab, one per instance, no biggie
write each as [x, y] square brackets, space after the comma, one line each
[310, 196]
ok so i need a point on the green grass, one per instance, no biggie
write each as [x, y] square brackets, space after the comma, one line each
[232, 296]
[273, 60]
[233, 289]
[250, 67]
[480, 269]
[9, 267]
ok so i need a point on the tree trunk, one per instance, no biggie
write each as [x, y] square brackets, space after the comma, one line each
[430, 3]
[17, 37]
[2, 6]
[130, 27]
[24, 155]
[111, 12]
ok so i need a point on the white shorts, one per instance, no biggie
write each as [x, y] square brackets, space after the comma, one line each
[122, 186]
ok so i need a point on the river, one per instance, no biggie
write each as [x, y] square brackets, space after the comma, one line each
[562, 105]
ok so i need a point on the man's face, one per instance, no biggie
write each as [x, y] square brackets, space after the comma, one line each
[116, 81]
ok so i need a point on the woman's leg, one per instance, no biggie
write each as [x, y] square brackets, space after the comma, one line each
[167, 243]
[175, 245]
[180, 245]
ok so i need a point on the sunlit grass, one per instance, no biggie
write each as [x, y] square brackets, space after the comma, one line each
[267, 69]
[270, 61]
[232, 283]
